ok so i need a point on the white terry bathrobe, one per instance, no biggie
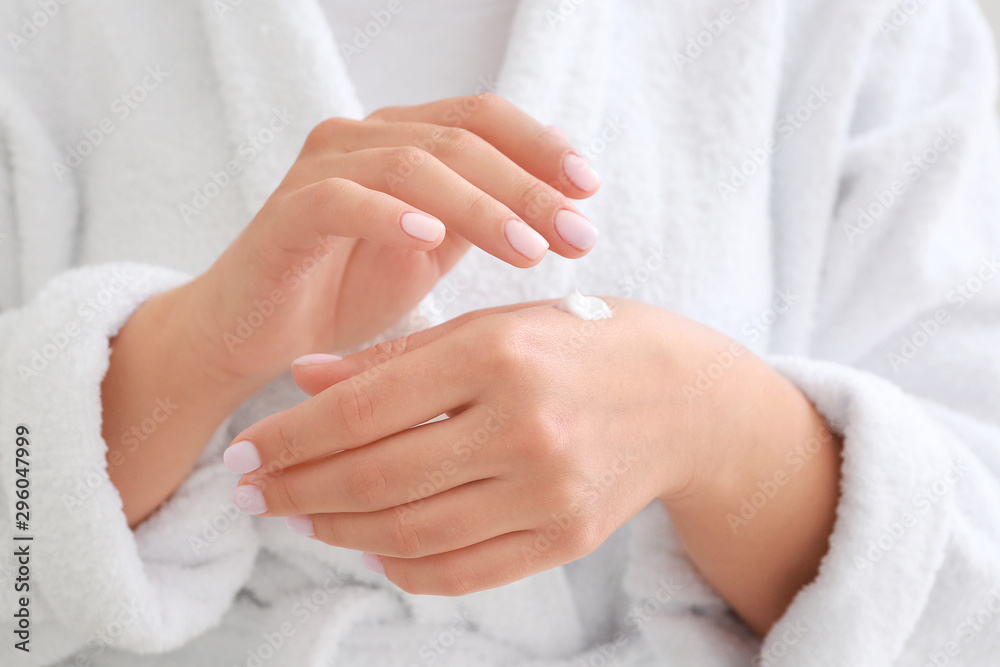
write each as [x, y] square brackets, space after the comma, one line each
[819, 180]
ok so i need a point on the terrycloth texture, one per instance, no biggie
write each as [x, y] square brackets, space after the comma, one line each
[888, 318]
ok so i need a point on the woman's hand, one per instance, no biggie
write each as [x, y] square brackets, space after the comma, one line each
[352, 239]
[356, 234]
[559, 431]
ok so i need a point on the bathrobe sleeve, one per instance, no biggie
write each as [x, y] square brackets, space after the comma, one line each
[905, 361]
[89, 582]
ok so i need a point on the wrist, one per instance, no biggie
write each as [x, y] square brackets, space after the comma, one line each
[182, 328]
[761, 431]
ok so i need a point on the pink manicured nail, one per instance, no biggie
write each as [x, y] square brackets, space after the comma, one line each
[249, 500]
[524, 239]
[241, 457]
[373, 563]
[580, 173]
[575, 229]
[422, 227]
[300, 524]
[314, 359]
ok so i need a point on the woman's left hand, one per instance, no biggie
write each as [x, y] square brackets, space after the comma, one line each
[559, 430]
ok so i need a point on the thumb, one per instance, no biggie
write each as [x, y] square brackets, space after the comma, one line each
[314, 373]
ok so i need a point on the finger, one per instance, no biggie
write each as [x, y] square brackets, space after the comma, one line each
[495, 562]
[315, 372]
[341, 207]
[442, 523]
[419, 178]
[402, 468]
[363, 409]
[543, 151]
[541, 205]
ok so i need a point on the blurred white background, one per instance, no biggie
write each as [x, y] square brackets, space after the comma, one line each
[992, 10]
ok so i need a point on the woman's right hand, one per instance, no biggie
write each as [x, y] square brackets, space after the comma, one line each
[355, 235]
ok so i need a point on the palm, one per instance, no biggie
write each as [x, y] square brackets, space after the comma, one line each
[366, 287]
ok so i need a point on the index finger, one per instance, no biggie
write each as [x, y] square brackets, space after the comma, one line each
[542, 150]
[380, 402]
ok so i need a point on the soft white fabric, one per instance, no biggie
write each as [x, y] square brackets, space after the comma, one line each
[913, 572]
[415, 51]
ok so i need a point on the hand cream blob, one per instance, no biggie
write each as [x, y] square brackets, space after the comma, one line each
[585, 307]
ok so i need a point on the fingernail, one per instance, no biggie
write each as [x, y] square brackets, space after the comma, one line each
[373, 563]
[300, 524]
[524, 239]
[422, 227]
[241, 457]
[249, 500]
[314, 359]
[575, 229]
[580, 173]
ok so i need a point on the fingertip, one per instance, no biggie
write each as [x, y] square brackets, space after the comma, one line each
[423, 228]
[580, 174]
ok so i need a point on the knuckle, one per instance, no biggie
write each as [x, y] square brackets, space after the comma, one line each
[583, 537]
[455, 140]
[357, 413]
[491, 102]
[327, 131]
[370, 207]
[511, 346]
[548, 434]
[289, 447]
[283, 496]
[459, 579]
[483, 207]
[405, 536]
[366, 481]
[401, 161]
[537, 197]
[390, 349]
[321, 196]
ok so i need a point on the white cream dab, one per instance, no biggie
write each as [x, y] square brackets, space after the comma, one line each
[585, 307]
